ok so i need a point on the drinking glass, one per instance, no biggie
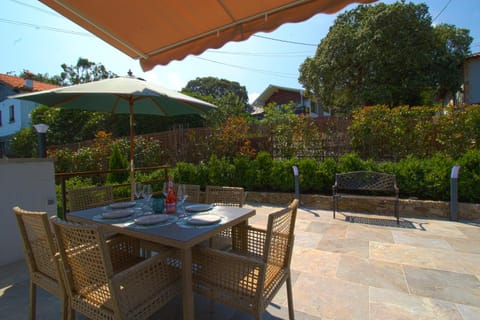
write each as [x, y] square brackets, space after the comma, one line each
[138, 190]
[147, 193]
[182, 196]
[165, 189]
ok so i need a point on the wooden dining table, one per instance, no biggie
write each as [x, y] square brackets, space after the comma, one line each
[176, 233]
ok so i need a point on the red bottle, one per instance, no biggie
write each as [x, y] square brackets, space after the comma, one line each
[171, 200]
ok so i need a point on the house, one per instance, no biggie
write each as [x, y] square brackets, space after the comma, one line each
[282, 95]
[471, 82]
[15, 114]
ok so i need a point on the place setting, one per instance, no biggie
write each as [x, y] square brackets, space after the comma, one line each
[199, 215]
[117, 212]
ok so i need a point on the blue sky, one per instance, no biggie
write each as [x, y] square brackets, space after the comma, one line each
[36, 38]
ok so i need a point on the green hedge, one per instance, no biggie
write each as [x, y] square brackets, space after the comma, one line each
[381, 132]
[427, 179]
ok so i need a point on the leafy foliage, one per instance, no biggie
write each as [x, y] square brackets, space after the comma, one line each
[385, 54]
[229, 96]
[117, 161]
[217, 88]
[417, 178]
[24, 143]
[381, 132]
[451, 48]
[84, 71]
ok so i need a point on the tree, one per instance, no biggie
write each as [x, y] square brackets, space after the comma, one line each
[230, 98]
[84, 71]
[217, 88]
[381, 54]
[68, 126]
[451, 47]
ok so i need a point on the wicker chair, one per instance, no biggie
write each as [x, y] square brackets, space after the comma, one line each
[106, 282]
[80, 199]
[40, 250]
[248, 277]
[224, 196]
[193, 192]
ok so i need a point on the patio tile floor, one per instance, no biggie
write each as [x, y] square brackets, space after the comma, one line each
[352, 267]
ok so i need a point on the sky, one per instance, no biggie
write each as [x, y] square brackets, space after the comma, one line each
[38, 39]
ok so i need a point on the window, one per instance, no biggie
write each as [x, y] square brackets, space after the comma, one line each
[12, 113]
[0, 118]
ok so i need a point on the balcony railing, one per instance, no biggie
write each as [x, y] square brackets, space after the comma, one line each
[62, 178]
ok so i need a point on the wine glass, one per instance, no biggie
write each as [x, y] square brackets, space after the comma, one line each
[182, 196]
[165, 189]
[147, 193]
[138, 190]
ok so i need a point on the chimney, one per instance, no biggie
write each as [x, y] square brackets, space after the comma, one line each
[29, 79]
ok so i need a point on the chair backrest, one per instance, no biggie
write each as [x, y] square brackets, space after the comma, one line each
[225, 196]
[192, 190]
[86, 261]
[80, 199]
[39, 248]
[280, 235]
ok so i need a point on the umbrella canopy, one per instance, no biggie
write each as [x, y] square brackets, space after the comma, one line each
[157, 32]
[120, 95]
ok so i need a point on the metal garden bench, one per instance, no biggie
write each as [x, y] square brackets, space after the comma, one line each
[365, 184]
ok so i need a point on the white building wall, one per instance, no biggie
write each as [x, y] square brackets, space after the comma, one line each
[29, 184]
[22, 111]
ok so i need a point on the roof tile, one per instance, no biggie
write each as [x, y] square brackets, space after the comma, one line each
[18, 83]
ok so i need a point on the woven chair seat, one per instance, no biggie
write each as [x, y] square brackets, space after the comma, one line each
[40, 254]
[248, 277]
[109, 278]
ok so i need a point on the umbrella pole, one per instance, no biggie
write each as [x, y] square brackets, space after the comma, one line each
[132, 140]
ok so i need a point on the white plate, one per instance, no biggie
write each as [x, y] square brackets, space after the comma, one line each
[115, 214]
[204, 219]
[152, 219]
[122, 205]
[198, 207]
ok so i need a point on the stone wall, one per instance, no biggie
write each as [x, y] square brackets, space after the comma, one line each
[407, 208]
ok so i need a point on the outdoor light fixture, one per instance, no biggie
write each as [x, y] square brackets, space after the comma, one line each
[41, 129]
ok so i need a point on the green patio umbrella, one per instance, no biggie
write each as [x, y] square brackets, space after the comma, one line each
[126, 95]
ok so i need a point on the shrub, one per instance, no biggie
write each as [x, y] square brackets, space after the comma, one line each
[410, 176]
[281, 176]
[469, 177]
[353, 162]
[117, 161]
[325, 175]
[219, 171]
[185, 173]
[260, 169]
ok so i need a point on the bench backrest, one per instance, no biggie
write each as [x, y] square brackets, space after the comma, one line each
[366, 181]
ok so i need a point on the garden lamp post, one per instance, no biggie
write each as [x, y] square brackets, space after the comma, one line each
[41, 129]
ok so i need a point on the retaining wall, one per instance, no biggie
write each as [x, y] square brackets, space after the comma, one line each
[407, 207]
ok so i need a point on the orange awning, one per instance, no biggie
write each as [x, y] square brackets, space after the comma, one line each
[157, 32]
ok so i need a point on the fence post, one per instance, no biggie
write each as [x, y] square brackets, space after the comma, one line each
[454, 193]
[297, 183]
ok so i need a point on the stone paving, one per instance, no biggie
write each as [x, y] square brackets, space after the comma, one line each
[352, 267]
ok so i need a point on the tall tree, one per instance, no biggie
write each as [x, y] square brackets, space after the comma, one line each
[84, 71]
[229, 96]
[217, 88]
[451, 47]
[380, 54]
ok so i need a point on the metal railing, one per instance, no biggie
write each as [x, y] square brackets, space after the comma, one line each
[63, 177]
